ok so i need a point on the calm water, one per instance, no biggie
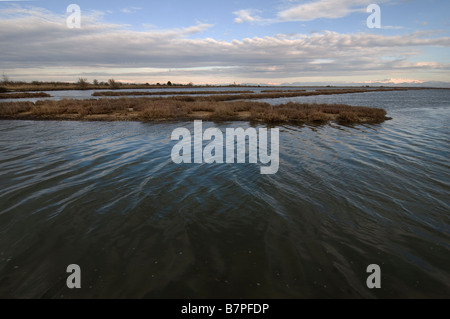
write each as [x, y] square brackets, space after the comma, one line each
[87, 94]
[106, 196]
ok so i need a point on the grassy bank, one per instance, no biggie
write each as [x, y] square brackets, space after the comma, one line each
[82, 84]
[147, 109]
[281, 91]
[23, 95]
[218, 96]
[140, 93]
[111, 84]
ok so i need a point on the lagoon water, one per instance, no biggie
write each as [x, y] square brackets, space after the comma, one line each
[87, 94]
[106, 196]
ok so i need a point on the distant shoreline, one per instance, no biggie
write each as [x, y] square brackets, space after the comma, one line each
[61, 86]
[227, 95]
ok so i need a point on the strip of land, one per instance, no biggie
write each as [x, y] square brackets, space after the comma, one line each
[172, 108]
[281, 91]
[248, 95]
[18, 86]
[257, 96]
[140, 93]
[83, 84]
[23, 95]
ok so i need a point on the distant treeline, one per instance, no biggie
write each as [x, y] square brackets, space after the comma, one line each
[83, 84]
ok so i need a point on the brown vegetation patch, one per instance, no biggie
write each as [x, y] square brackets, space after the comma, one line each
[23, 95]
[172, 109]
[139, 93]
[283, 94]
[281, 91]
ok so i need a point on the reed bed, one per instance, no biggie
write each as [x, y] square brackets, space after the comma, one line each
[138, 93]
[258, 96]
[23, 95]
[148, 109]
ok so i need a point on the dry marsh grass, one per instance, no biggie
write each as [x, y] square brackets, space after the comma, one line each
[282, 91]
[137, 109]
[138, 93]
[23, 95]
[274, 95]
[84, 84]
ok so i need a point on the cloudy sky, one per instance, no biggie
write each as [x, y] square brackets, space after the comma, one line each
[221, 42]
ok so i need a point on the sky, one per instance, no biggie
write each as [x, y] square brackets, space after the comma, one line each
[268, 42]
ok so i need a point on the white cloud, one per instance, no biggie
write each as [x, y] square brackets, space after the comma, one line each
[176, 32]
[130, 10]
[392, 27]
[246, 15]
[252, 16]
[200, 27]
[322, 9]
[394, 81]
[314, 9]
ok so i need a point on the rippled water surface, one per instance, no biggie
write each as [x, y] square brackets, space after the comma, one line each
[106, 196]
